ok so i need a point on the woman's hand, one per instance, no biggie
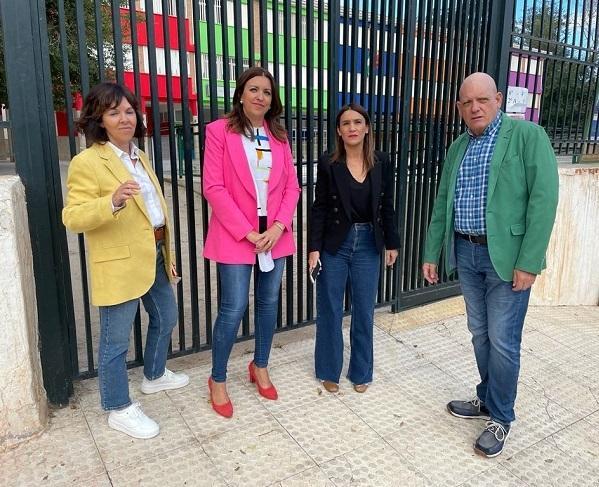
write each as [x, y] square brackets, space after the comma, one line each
[268, 239]
[390, 257]
[253, 237]
[124, 192]
[313, 259]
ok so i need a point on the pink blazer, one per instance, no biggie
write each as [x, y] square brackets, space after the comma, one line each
[229, 188]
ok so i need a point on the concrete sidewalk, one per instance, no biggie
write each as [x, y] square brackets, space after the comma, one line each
[398, 433]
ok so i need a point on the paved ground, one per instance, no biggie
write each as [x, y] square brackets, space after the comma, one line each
[396, 434]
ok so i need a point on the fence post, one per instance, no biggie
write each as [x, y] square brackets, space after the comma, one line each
[405, 109]
[500, 42]
[333, 72]
[32, 122]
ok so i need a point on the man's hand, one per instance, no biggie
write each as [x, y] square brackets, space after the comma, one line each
[522, 280]
[430, 273]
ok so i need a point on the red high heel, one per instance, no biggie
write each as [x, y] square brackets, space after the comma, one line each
[225, 409]
[267, 392]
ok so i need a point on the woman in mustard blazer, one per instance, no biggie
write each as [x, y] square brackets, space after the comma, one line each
[250, 183]
[114, 199]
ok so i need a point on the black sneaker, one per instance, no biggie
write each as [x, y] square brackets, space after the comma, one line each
[473, 409]
[492, 440]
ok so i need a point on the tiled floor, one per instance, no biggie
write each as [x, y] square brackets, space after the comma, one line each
[396, 434]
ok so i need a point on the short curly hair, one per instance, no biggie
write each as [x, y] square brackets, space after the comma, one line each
[101, 98]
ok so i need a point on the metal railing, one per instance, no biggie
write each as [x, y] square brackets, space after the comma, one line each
[555, 55]
[401, 59]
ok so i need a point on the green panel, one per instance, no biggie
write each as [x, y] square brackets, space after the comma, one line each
[294, 95]
[304, 50]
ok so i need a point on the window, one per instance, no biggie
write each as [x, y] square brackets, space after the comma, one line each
[218, 12]
[204, 65]
[161, 62]
[128, 57]
[204, 9]
[172, 7]
[233, 66]
[157, 7]
[232, 73]
[202, 5]
[219, 67]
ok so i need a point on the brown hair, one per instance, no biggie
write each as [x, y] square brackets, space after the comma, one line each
[368, 146]
[238, 121]
[101, 98]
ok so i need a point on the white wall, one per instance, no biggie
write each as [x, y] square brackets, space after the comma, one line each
[23, 406]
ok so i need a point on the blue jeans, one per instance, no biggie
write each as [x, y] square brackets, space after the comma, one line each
[357, 259]
[115, 329]
[235, 287]
[495, 319]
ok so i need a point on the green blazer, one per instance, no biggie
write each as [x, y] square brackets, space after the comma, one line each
[521, 200]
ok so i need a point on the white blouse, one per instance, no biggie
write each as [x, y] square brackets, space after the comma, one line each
[259, 156]
[260, 161]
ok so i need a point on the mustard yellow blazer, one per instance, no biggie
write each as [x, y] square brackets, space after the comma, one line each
[121, 246]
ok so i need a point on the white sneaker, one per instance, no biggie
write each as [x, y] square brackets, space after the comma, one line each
[169, 380]
[133, 422]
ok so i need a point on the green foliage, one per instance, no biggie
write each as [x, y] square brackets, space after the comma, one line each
[568, 87]
[88, 46]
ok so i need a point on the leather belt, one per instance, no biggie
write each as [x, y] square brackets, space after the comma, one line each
[159, 233]
[477, 239]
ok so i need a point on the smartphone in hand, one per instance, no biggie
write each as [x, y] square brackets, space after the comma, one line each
[315, 271]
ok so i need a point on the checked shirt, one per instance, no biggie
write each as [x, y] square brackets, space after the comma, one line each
[472, 182]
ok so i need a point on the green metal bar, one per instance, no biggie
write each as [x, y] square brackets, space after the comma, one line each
[27, 64]
[500, 28]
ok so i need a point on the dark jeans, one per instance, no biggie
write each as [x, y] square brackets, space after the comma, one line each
[495, 319]
[357, 260]
[235, 286]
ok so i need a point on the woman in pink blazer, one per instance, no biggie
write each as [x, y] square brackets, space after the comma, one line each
[251, 185]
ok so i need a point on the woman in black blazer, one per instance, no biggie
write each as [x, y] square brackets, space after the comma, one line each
[351, 221]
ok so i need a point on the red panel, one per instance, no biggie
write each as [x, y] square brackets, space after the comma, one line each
[62, 128]
[142, 32]
[161, 82]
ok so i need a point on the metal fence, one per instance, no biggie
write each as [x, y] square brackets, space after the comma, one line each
[403, 60]
[555, 56]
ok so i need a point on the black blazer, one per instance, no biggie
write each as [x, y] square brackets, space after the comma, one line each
[330, 215]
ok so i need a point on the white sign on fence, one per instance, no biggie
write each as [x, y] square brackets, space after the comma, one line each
[516, 100]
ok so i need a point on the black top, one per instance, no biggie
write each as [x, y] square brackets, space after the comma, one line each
[359, 198]
[331, 213]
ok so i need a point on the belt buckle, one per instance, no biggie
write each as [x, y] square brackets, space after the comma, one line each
[159, 233]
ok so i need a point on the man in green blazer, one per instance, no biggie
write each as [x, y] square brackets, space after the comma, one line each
[493, 217]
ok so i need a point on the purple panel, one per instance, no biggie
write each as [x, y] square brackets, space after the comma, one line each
[526, 81]
[532, 115]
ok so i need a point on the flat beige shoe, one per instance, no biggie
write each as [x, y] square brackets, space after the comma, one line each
[360, 388]
[330, 386]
